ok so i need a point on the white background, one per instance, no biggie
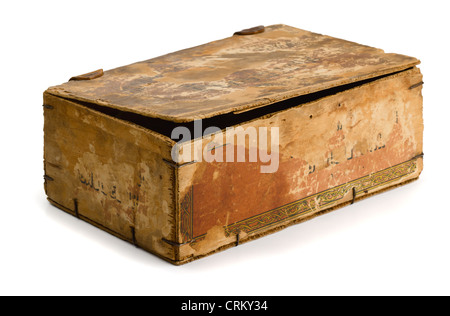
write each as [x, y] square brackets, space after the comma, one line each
[396, 243]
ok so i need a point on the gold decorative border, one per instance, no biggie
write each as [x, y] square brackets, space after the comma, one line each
[319, 200]
[310, 204]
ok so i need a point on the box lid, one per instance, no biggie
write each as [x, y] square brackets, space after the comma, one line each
[234, 74]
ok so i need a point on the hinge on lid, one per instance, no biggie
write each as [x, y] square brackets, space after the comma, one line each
[89, 76]
[251, 31]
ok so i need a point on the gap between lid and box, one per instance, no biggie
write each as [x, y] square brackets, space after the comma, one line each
[222, 121]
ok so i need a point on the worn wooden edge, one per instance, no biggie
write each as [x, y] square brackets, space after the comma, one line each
[47, 93]
[401, 71]
[258, 103]
[242, 107]
[177, 215]
[404, 73]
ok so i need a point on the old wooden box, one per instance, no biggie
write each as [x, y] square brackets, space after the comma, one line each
[285, 125]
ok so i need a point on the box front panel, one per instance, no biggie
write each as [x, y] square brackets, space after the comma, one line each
[324, 154]
[109, 173]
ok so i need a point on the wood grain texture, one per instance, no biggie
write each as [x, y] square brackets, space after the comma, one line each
[368, 138]
[234, 74]
[110, 173]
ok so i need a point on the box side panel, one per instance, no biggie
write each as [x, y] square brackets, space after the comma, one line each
[330, 153]
[109, 173]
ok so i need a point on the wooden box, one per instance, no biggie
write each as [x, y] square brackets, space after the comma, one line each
[285, 125]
